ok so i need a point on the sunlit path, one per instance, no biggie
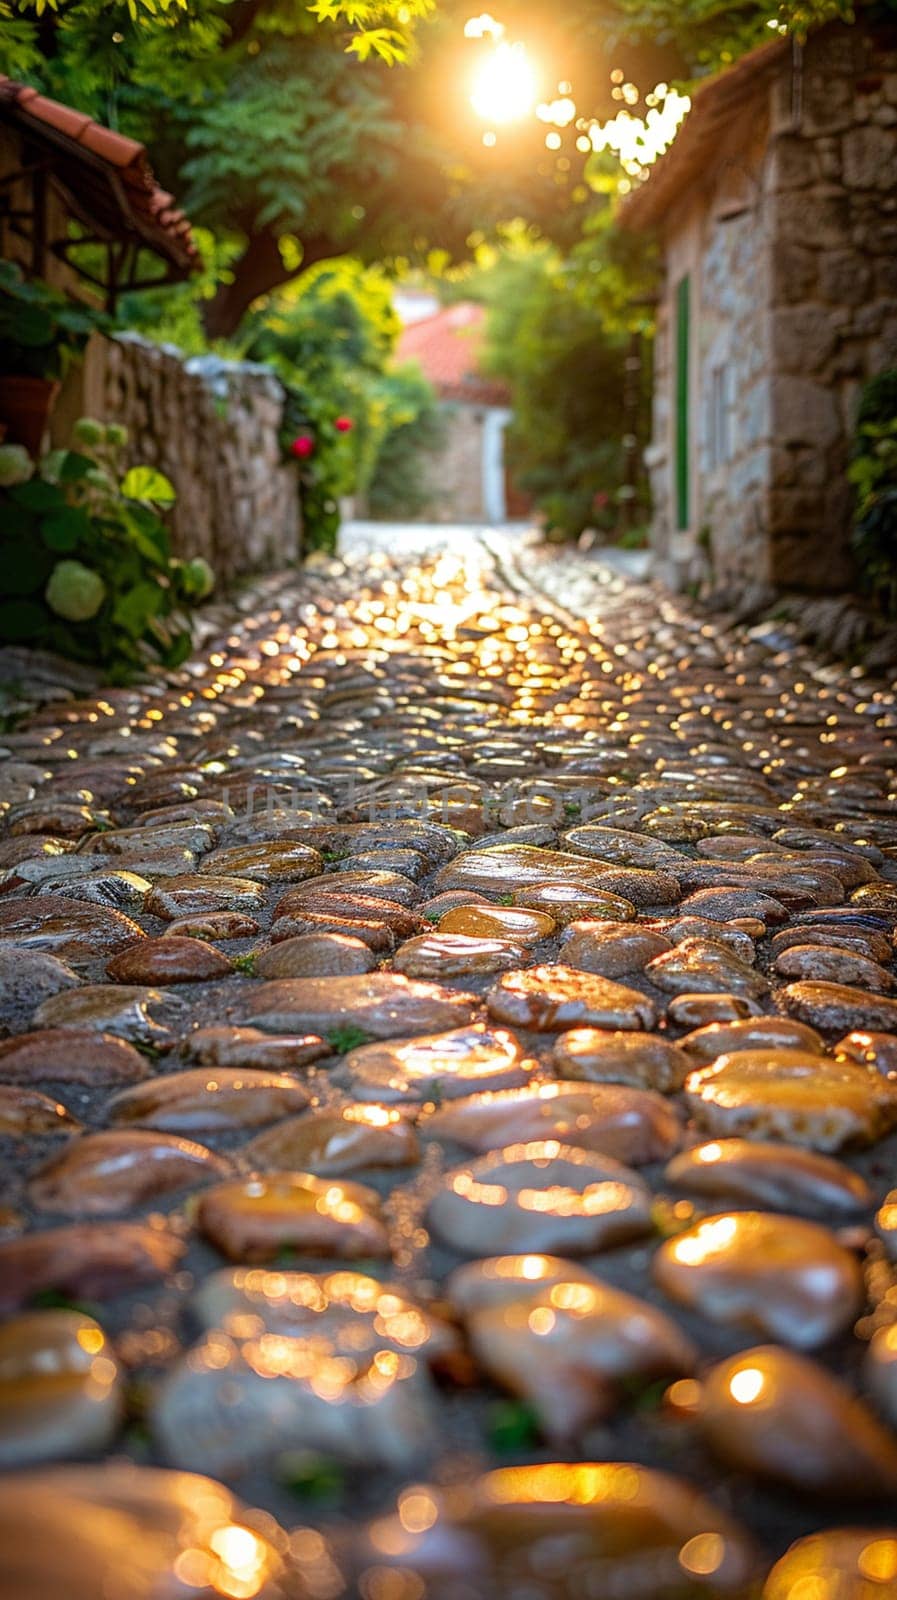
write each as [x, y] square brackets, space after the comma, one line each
[391, 996]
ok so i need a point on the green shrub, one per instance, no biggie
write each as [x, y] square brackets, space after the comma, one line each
[873, 473]
[86, 560]
[41, 332]
[564, 359]
[414, 430]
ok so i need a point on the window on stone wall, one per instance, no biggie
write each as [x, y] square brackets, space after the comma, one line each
[720, 416]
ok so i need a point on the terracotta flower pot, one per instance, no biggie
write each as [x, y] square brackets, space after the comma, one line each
[25, 406]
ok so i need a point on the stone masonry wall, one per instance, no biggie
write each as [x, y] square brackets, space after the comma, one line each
[732, 341]
[211, 426]
[454, 473]
[790, 239]
[833, 178]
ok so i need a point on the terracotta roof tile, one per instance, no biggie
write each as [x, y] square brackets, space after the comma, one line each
[448, 347]
[107, 177]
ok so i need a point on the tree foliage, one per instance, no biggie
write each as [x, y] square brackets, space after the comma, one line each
[555, 339]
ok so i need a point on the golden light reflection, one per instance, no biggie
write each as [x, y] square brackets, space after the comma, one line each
[747, 1385]
[704, 1241]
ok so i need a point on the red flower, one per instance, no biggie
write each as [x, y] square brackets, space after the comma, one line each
[302, 446]
[601, 500]
[343, 424]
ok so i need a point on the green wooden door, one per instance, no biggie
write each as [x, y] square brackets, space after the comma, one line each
[683, 322]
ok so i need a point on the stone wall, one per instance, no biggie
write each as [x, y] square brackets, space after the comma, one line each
[454, 473]
[833, 182]
[211, 426]
[790, 238]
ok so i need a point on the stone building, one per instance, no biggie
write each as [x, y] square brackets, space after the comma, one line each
[776, 210]
[466, 479]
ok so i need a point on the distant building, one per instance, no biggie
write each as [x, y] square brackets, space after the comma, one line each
[467, 479]
[777, 212]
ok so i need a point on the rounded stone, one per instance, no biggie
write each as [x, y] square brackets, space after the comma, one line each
[120, 1009]
[782, 1177]
[456, 955]
[752, 1033]
[204, 1101]
[438, 1066]
[100, 1174]
[333, 1142]
[792, 1095]
[74, 931]
[780, 1276]
[640, 1059]
[837, 1008]
[500, 1534]
[556, 998]
[501, 1280]
[498, 922]
[569, 1348]
[506, 868]
[543, 1196]
[780, 1415]
[697, 1010]
[611, 950]
[214, 925]
[188, 895]
[250, 1048]
[384, 1005]
[316, 955]
[168, 960]
[253, 1219]
[852, 1563]
[92, 1260]
[272, 861]
[69, 1055]
[631, 1125]
[869, 1049]
[704, 966]
[134, 1532]
[61, 1390]
[26, 1111]
[566, 903]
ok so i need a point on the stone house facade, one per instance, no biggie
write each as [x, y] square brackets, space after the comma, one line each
[466, 480]
[776, 210]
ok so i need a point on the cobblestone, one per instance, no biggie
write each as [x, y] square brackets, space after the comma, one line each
[442, 878]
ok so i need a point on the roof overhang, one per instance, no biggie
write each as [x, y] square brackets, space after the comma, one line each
[106, 185]
[714, 104]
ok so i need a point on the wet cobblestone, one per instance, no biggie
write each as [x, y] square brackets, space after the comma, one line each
[454, 907]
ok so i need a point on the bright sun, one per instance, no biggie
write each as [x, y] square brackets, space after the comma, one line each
[504, 85]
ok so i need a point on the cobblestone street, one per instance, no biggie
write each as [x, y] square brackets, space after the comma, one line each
[449, 1028]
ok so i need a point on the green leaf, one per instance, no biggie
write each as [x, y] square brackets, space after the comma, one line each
[37, 495]
[146, 484]
[347, 1037]
[312, 1477]
[74, 467]
[513, 1426]
[33, 326]
[26, 567]
[137, 606]
[20, 621]
[66, 528]
[178, 651]
[18, 523]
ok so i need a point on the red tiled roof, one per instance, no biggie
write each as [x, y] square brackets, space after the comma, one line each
[106, 179]
[713, 104]
[448, 347]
